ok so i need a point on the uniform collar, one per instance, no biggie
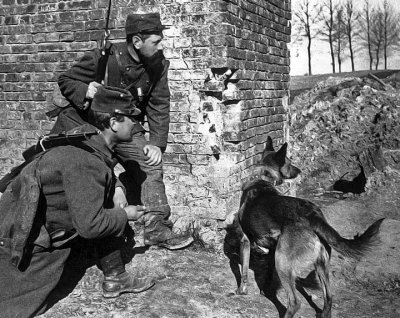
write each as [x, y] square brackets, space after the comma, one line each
[123, 52]
[96, 143]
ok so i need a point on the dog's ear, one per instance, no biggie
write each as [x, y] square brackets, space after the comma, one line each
[269, 145]
[280, 155]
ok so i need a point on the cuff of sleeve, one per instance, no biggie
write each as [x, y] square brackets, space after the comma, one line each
[122, 220]
[159, 142]
[81, 97]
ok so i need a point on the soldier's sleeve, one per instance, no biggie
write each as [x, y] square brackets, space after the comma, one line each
[158, 109]
[74, 82]
[86, 182]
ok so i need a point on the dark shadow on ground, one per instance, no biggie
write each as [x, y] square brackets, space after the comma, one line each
[261, 264]
[82, 257]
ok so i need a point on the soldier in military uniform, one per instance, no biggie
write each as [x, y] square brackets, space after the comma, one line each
[139, 66]
[62, 197]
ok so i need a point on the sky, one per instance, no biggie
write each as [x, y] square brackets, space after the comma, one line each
[321, 60]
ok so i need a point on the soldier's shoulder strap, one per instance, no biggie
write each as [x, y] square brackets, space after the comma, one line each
[114, 66]
[44, 144]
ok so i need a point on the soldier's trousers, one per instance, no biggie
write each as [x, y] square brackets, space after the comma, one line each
[145, 185]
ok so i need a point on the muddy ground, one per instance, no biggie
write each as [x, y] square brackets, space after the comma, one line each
[199, 282]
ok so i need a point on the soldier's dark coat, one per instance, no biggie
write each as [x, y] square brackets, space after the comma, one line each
[124, 71]
[77, 187]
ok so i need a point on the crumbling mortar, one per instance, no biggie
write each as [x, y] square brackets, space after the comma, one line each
[185, 154]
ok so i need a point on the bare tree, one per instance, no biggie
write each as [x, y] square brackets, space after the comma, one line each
[327, 32]
[384, 32]
[377, 34]
[349, 17]
[339, 35]
[364, 30]
[307, 15]
[391, 29]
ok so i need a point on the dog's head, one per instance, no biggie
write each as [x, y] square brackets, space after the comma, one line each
[276, 164]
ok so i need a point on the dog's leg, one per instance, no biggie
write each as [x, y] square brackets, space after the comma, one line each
[244, 260]
[289, 284]
[285, 267]
[322, 268]
[271, 287]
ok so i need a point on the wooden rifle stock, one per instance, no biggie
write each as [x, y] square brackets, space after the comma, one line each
[102, 65]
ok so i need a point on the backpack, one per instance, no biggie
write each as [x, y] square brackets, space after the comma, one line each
[18, 208]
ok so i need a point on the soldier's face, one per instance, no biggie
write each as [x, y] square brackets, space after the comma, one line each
[150, 53]
[151, 45]
[124, 129]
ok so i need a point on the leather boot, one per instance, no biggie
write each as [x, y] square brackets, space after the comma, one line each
[158, 233]
[117, 281]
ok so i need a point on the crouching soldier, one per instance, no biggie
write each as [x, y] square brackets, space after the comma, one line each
[64, 195]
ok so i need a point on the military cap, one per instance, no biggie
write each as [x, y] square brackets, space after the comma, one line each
[114, 100]
[143, 23]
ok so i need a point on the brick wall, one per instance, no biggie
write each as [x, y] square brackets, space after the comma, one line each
[229, 82]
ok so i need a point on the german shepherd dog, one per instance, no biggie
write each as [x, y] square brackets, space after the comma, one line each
[295, 229]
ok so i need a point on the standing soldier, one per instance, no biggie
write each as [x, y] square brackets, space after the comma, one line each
[139, 66]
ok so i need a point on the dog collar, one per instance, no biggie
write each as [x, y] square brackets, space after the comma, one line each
[262, 177]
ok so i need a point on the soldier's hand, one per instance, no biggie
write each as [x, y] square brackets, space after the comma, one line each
[134, 212]
[92, 89]
[153, 153]
[119, 198]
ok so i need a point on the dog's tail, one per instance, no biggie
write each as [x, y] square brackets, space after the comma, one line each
[354, 248]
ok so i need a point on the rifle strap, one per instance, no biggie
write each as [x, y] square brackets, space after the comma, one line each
[113, 73]
[34, 152]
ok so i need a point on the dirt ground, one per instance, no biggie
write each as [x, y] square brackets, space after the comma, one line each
[199, 282]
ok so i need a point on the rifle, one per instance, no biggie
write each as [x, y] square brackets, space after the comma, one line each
[43, 144]
[105, 49]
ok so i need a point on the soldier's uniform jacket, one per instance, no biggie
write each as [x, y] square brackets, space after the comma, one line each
[76, 190]
[124, 71]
